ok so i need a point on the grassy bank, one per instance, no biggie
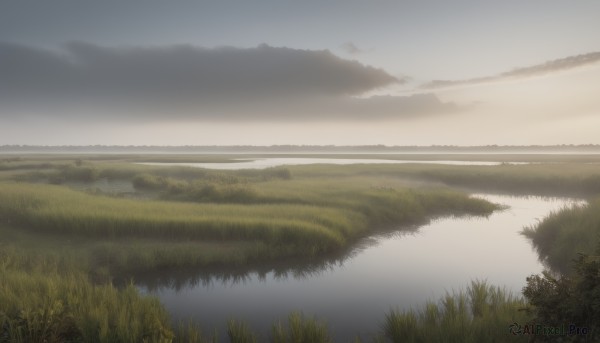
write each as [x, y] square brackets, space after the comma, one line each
[562, 235]
[290, 218]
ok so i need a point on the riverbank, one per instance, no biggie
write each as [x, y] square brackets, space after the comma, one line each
[167, 218]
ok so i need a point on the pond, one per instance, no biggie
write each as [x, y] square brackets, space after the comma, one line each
[354, 293]
[262, 163]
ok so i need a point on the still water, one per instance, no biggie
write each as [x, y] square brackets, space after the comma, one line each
[395, 271]
[262, 163]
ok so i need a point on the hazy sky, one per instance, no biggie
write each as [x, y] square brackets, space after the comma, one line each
[299, 72]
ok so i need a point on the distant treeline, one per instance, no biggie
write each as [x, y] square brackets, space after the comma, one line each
[563, 148]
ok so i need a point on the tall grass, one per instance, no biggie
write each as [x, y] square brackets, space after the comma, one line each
[240, 332]
[482, 313]
[560, 236]
[300, 329]
[319, 224]
[191, 332]
[59, 210]
[302, 219]
[50, 308]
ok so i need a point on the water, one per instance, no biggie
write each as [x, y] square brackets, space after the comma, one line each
[397, 271]
[262, 163]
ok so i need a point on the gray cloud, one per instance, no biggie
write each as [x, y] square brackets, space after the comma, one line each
[549, 67]
[86, 69]
[89, 82]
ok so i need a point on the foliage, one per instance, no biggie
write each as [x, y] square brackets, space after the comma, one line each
[569, 300]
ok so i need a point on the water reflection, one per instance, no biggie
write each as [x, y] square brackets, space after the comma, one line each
[295, 269]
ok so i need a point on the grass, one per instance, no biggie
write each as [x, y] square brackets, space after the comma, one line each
[239, 332]
[38, 307]
[300, 329]
[562, 235]
[59, 210]
[292, 219]
[573, 175]
[482, 313]
[548, 179]
[61, 249]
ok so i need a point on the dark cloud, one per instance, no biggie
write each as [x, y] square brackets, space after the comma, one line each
[84, 68]
[549, 67]
[85, 81]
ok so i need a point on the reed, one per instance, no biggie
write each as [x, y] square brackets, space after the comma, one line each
[482, 313]
[325, 223]
[239, 332]
[300, 329]
[563, 234]
[37, 307]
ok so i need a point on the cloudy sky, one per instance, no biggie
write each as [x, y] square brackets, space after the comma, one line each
[337, 72]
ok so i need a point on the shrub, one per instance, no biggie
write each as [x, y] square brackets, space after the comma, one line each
[569, 300]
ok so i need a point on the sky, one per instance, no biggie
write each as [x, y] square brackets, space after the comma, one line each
[338, 72]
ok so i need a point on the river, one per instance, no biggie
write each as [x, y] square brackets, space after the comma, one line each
[401, 270]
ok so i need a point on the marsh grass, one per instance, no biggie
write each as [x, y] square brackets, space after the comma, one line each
[60, 249]
[59, 210]
[240, 332]
[557, 178]
[300, 329]
[549, 175]
[482, 313]
[191, 332]
[563, 234]
[37, 307]
[325, 220]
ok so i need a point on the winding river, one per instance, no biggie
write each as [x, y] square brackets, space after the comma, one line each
[354, 293]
